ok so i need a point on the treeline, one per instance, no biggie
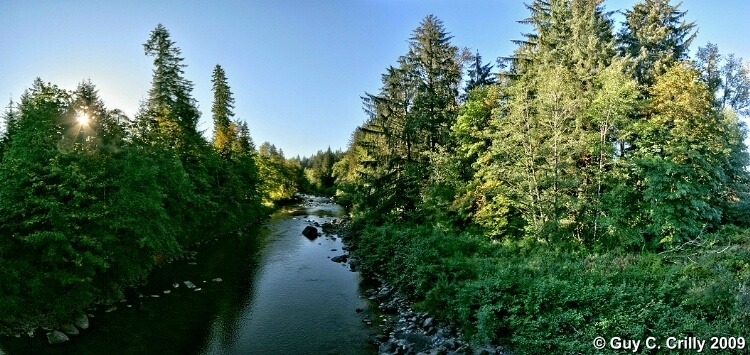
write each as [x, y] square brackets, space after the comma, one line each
[595, 185]
[91, 200]
[318, 174]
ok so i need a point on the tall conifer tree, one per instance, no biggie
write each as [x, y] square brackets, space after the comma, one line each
[224, 131]
[655, 35]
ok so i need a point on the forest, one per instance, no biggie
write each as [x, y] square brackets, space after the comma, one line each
[92, 200]
[594, 183]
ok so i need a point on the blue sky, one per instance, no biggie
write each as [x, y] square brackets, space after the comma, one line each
[297, 68]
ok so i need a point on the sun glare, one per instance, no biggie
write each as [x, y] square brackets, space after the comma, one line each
[82, 119]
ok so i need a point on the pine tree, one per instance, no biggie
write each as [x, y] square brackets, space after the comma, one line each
[480, 75]
[411, 116]
[435, 66]
[224, 131]
[10, 118]
[171, 115]
[166, 129]
[72, 205]
[655, 36]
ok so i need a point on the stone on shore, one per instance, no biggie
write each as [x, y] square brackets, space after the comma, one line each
[69, 329]
[56, 337]
[82, 321]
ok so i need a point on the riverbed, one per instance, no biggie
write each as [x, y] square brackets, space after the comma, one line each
[268, 291]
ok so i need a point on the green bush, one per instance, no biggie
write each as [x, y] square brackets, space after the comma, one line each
[539, 300]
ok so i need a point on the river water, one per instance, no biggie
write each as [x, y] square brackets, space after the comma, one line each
[272, 291]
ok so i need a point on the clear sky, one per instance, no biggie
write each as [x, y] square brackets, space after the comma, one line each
[297, 68]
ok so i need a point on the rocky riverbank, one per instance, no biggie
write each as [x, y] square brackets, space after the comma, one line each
[56, 332]
[401, 329]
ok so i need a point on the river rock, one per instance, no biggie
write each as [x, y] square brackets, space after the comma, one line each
[383, 294]
[339, 259]
[387, 347]
[69, 329]
[82, 321]
[419, 341]
[310, 232]
[56, 337]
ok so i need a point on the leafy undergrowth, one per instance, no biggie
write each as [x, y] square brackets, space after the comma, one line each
[539, 300]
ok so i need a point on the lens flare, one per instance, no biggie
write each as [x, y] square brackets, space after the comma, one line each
[82, 119]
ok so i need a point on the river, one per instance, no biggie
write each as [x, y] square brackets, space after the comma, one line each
[271, 291]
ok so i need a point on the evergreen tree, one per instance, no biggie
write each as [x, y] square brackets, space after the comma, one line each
[170, 109]
[10, 118]
[224, 131]
[655, 36]
[480, 75]
[72, 206]
[411, 116]
[166, 128]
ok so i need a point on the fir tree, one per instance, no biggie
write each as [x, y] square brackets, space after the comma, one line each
[224, 131]
[655, 36]
[170, 113]
[480, 75]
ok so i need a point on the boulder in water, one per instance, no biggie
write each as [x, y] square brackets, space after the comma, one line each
[339, 259]
[310, 232]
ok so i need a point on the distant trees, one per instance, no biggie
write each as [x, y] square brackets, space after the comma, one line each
[281, 176]
[318, 170]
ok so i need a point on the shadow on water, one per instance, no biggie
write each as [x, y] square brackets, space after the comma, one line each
[279, 294]
[151, 321]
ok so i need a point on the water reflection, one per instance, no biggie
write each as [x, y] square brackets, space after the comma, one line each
[279, 294]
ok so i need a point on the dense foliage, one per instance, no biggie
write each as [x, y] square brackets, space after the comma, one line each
[91, 201]
[593, 187]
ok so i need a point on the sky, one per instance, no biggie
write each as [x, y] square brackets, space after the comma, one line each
[297, 68]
